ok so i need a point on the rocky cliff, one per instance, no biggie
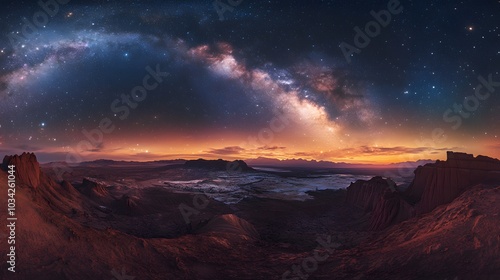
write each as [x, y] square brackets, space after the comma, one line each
[56, 223]
[390, 208]
[93, 188]
[27, 169]
[366, 194]
[458, 240]
[441, 182]
[433, 185]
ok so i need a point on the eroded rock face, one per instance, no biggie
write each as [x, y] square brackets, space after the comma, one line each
[465, 229]
[93, 188]
[27, 168]
[366, 194]
[433, 185]
[391, 208]
[441, 182]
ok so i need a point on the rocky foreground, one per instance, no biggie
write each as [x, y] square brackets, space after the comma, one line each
[445, 225]
[434, 184]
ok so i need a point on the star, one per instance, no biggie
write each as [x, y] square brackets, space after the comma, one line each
[70, 73]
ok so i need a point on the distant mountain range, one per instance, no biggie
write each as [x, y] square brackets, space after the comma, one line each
[110, 162]
[302, 163]
[271, 162]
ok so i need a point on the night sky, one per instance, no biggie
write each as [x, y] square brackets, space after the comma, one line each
[269, 80]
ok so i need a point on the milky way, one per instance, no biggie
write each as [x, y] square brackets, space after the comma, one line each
[228, 80]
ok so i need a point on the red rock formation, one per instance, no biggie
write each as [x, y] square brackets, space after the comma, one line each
[56, 242]
[441, 182]
[93, 188]
[455, 241]
[67, 186]
[433, 185]
[27, 169]
[391, 208]
[366, 194]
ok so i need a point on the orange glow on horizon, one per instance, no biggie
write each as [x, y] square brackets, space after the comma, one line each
[290, 144]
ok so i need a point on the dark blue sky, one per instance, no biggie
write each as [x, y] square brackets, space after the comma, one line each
[227, 79]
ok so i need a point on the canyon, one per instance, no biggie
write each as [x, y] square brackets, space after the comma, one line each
[100, 221]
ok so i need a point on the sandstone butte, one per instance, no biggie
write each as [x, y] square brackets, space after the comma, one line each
[434, 184]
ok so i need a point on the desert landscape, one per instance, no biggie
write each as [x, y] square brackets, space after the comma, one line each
[176, 221]
[249, 140]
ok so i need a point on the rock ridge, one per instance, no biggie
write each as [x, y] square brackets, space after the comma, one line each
[434, 184]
